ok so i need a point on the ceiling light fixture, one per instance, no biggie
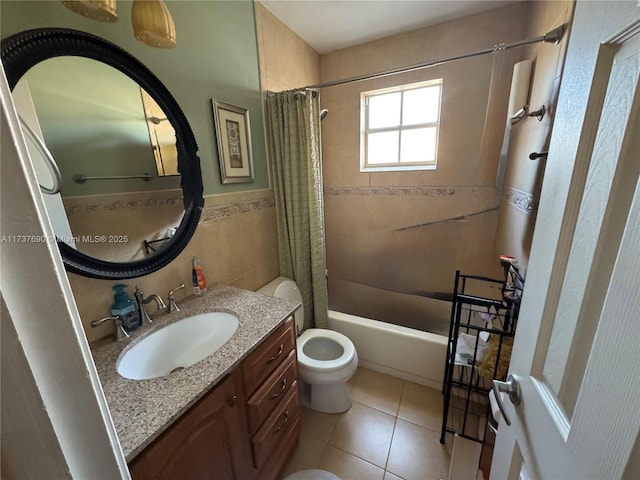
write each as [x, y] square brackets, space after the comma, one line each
[101, 10]
[152, 23]
[151, 20]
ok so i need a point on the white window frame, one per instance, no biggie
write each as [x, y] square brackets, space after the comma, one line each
[365, 130]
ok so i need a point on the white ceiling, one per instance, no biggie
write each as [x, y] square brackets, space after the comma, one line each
[329, 25]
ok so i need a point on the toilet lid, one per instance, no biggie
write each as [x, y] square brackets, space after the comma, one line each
[312, 475]
[320, 365]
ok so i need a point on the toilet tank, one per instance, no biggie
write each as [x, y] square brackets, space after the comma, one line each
[283, 287]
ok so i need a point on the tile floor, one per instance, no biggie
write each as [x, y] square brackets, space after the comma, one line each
[391, 432]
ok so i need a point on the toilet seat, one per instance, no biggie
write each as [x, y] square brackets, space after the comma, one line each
[314, 474]
[347, 356]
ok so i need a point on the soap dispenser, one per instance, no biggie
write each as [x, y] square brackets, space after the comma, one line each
[126, 308]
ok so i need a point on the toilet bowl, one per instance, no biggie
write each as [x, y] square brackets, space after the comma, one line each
[314, 474]
[326, 359]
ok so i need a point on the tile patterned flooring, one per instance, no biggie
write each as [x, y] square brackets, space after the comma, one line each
[391, 432]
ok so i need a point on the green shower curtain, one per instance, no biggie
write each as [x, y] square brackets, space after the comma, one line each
[296, 166]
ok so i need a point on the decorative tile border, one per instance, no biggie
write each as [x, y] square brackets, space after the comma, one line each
[209, 213]
[390, 191]
[521, 200]
[222, 212]
[111, 205]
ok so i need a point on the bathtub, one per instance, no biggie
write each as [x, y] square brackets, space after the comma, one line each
[395, 350]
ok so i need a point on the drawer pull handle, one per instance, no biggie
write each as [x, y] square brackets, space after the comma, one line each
[281, 426]
[282, 389]
[232, 400]
[280, 350]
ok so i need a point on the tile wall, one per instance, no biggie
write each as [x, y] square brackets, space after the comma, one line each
[523, 177]
[395, 239]
[235, 241]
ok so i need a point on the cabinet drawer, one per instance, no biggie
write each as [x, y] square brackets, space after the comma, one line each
[276, 428]
[272, 392]
[268, 356]
[274, 464]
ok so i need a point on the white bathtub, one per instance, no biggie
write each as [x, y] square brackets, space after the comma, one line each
[395, 350]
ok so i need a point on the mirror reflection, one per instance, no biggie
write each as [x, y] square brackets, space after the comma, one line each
[116, 150]
[162, 136]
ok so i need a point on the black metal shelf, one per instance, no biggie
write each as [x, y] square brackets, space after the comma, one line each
[484, 316]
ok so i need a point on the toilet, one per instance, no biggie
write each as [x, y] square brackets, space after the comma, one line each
[312, 475]
[326, 359]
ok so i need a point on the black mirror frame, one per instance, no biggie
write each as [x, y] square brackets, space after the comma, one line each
[24, 50]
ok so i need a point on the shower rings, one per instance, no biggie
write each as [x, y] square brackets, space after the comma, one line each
[499, 47]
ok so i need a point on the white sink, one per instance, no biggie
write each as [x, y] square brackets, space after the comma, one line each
[178, 345]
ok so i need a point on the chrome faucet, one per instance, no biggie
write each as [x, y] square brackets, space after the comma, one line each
[173, 306]
[139, 294]
[117, 320]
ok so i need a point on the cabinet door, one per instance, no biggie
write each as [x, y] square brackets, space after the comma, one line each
[202, 444]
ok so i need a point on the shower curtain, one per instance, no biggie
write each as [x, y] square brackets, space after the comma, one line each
[296, 165]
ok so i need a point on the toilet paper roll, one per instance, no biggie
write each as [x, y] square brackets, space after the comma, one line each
[520, 84]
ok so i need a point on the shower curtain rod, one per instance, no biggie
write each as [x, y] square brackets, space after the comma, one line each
[554, 36]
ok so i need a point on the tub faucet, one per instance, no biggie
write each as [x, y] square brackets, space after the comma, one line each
[117, 320]
[173, 306]
[139, 294]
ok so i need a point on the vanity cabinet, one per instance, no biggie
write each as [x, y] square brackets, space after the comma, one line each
[245, 428]
[204, 440]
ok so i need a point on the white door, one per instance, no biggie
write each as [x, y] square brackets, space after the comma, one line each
[577, 348]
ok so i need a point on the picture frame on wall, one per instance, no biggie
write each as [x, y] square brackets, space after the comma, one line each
[233, 134]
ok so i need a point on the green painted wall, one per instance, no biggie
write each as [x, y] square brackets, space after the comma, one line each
[216, 56]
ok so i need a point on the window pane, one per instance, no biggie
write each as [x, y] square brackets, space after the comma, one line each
[384, 110]
[418, 145]
[421, 105]
[382, 147]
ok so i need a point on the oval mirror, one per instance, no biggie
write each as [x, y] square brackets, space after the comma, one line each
[123, 147]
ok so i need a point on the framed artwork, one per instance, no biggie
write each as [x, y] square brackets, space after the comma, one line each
[233, 134]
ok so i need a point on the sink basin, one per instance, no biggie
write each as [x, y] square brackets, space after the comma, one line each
[178, 345]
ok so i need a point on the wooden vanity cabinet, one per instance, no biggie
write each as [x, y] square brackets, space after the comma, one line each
[204, 441]
[245, 428]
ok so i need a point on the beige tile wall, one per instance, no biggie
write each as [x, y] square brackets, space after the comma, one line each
[391, 247]
[125, 220]
[388, 247]
[523, 177]
[286, 61]
[235, 241]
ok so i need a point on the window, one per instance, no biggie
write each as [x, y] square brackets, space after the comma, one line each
[399, 127]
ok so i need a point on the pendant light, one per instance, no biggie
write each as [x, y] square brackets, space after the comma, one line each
[101, 10]
[152, 23]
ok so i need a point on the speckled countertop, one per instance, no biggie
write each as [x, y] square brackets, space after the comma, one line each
[142, 409]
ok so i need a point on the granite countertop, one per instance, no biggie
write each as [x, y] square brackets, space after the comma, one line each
[142, 409]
